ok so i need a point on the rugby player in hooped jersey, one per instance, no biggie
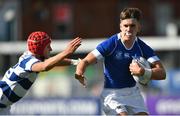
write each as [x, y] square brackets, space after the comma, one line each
[19, 78]
[121, 95]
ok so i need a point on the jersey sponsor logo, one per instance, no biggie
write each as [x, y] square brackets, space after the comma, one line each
[126, 55]
[120, 55]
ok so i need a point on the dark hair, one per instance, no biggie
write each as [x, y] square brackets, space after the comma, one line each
[131, 13]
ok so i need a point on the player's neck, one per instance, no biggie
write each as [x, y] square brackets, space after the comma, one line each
[39, 57]
[128, 43]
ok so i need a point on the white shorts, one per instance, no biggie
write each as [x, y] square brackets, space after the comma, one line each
[115, 101]
[5, 111]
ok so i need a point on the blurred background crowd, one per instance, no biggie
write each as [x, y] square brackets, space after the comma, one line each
[91, 20]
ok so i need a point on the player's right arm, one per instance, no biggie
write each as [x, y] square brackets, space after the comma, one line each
[81, 67]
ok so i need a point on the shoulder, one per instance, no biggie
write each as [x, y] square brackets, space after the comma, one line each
[142, 43]
[115, 37]
[27, 57]
[110, 40]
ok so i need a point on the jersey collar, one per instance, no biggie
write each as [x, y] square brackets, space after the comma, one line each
[119, 38]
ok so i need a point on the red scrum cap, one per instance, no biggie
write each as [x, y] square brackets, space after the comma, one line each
[37, 41]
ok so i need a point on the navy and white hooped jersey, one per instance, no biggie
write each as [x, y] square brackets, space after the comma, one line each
[17, 80]
[117, 59]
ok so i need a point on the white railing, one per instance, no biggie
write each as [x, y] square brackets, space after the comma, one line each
[157, 43]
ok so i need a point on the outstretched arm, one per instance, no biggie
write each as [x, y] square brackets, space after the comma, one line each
[55, 60]
[81, 67]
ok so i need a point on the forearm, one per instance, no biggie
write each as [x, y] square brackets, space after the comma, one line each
[81, 67]
[55, 60]
[158, 74]
[64, 62]
[68, 61]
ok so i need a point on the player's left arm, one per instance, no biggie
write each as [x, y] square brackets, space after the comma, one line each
[158, 71]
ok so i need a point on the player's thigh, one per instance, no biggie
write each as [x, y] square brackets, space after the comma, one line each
[114, 101]
[5, 111]
[136, 104]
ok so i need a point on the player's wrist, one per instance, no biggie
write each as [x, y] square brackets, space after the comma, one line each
[85, 62]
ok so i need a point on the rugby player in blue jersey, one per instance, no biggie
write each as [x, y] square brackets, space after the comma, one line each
[19, 78]
[121, 95]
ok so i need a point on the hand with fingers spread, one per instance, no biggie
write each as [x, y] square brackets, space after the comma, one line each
[72, 46]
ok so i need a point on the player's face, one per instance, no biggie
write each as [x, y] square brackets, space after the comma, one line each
[129, 29]
[47, 51]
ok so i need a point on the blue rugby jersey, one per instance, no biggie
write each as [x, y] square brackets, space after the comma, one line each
[117, 59]
[17, 80]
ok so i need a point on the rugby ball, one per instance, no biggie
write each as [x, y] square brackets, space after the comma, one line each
[144, 80]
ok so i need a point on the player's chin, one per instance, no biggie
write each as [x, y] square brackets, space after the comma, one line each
[129, 37]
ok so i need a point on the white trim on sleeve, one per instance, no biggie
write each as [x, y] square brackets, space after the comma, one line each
[97, 54]
[153, 59]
